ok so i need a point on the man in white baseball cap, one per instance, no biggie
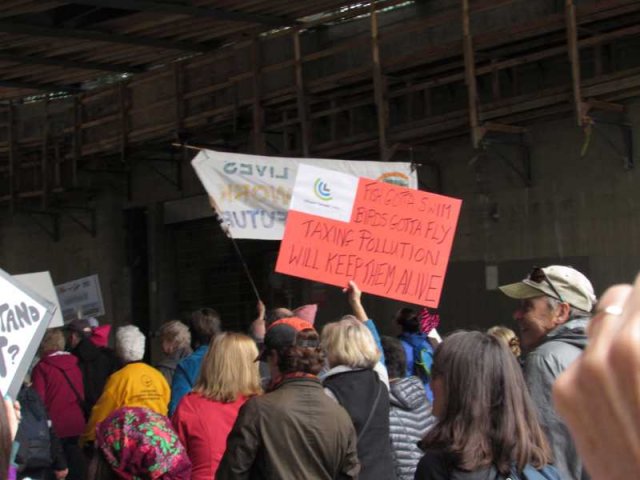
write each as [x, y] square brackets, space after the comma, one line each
[553, 314]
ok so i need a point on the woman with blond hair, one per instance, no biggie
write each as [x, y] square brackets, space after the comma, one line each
[358, 381]
[229, 376]
[508, 337]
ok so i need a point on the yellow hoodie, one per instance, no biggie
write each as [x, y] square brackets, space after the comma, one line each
[134, 385]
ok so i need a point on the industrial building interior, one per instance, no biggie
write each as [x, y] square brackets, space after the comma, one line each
[526, 110]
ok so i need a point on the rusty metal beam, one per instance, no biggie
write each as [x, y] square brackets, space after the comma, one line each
[172, 8]
[379, 85]
[259, 140]
[574, 58]
[303, 113]
[470, 75]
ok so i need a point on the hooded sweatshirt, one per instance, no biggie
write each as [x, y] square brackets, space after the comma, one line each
[409, 420]
[57, 393]
[559, 349]
[96, 364]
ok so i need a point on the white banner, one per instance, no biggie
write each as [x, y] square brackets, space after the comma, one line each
[252, 193]
[81, 298]
[24, 317]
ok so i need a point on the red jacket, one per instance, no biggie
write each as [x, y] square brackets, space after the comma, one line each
[57, 395]
[203, 426]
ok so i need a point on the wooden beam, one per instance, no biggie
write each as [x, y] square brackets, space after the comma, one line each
[45, 156]
[259, 140]
[14, 57]
[99, 36]
[45, 87]
[178, 80]
[574, 58]
[77, 139]
[470, 75]
[378, 85]
[303, 114]
[191, 11]
[13, 160]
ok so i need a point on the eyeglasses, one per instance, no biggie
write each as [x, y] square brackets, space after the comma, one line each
[537, 275]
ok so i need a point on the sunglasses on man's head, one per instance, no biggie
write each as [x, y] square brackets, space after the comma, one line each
[537, 275]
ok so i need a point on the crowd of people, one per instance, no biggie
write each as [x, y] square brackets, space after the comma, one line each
[559, 400]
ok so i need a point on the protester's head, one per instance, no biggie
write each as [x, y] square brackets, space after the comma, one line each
[174, 336]
[348, 342]
[408, 320]
[549, 297]
[508, 337]
[205, 324]
[53, 341]
[77, 330]
[276, 314]
[292, 345]
[395, 358]
[229, 369]
[485, 414]
[139, 443]
[129, 344]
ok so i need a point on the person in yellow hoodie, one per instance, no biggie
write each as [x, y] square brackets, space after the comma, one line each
[136, 384]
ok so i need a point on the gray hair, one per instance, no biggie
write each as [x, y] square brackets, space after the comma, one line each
[130, 343]
[574, 312]
[176, 333]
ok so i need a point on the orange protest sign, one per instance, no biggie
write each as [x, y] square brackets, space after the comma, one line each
[396, 244]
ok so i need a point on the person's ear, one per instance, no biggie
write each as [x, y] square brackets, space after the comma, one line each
[273, 358]
[563, 311]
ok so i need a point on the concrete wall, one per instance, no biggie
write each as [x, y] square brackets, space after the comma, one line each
[579, 210]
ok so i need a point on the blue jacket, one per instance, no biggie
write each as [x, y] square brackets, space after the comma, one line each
[413, 343]
[185, 376]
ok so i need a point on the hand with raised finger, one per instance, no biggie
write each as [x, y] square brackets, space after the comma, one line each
[354, 294]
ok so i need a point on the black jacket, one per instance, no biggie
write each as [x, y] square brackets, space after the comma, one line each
[40, 449]
[409, 420]
[96, 365]
[366, 399]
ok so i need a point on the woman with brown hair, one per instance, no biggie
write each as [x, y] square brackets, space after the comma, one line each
[487, 426]
[228, 378]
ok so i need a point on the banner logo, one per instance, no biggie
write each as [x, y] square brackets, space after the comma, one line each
[394, 178]
[322, 190]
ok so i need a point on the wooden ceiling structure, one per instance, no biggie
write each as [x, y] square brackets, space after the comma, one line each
[229, 74]
[59, 46]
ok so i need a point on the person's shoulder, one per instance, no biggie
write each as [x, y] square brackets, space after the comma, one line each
[434, 465]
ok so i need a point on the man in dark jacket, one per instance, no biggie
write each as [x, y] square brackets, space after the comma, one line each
[554, 311]
[295, 431]
[96, 364]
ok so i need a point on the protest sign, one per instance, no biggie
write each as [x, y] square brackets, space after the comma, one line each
[252, 193]
[41, 283]
[393, 241]
[81, 298]
[24, 317]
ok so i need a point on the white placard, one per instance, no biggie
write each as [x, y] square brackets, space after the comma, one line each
[81, 298]
[325, 193]
[41, 283]
[24, 317]
[252, 193]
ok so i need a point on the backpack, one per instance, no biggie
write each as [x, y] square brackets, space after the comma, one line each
[422, 355]
[33, 433]
[548, 472]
